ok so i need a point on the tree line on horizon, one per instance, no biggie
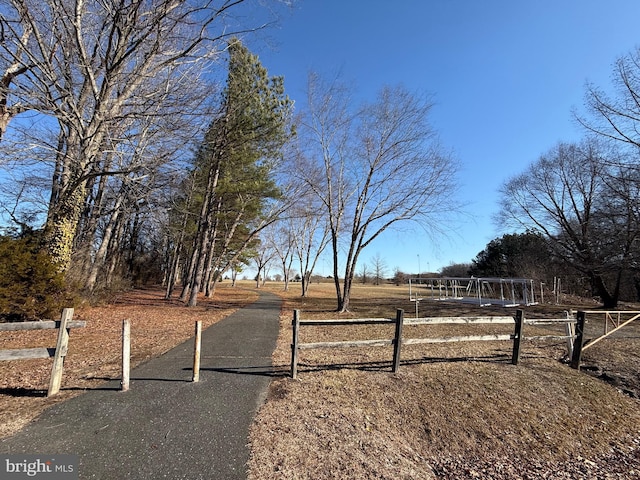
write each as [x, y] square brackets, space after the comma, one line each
[125, 162]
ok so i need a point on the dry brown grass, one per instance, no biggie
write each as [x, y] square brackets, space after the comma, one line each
[94, 355]
[452, 410]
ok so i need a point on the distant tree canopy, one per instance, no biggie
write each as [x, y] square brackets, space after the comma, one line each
[518, 255]
[460, 270]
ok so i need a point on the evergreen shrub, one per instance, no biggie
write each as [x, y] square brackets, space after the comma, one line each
[31, 287]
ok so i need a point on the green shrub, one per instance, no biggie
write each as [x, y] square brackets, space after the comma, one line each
[31, 287]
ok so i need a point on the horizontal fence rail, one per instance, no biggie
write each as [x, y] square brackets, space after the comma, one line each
[517, 337]
[458, 320]
[39, 325]
[574, 332]
[64, 326]
[296, 345]
[26, 353]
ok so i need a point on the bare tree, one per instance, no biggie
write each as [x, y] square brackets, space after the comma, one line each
[379, 267]
[364, 273]
[264, 256]
[310, 233]
[378, 165]
[98, 69]
[567, 195]
[617, 117]
[282, 241]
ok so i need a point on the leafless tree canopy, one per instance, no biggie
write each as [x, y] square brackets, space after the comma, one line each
[577, 198]
[372, 166]
[616, 116]
[117, 90]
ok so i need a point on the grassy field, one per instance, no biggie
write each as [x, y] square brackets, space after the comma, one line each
[452, 411]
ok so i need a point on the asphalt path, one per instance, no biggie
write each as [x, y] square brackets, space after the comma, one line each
[166, 426]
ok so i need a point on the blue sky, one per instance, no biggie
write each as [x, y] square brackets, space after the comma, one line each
[504, 76]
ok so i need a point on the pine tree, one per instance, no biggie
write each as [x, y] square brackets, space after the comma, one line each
[235, 165]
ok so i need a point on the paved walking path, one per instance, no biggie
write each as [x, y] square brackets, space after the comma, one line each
[166, 426]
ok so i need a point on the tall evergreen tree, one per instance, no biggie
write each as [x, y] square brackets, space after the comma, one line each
[235, 165]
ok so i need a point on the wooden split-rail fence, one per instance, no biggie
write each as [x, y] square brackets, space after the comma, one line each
[64, 326]
[399, 340]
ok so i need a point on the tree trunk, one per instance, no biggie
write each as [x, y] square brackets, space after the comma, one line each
[116, 241]
[61, 226]
[173, 271]
[101, 254]
[608, 300]
[201, 241]
[198, 271]
[336, 276]
[177, 252]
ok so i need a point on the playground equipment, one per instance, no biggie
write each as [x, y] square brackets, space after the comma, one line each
[506, 292]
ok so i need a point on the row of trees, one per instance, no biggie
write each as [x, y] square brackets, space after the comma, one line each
[98, 101]
[100, 104]
[127, 161]
[578, 204]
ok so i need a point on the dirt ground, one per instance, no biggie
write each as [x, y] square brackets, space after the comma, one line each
[453, 411]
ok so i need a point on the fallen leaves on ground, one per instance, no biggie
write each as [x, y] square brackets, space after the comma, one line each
[94, 355]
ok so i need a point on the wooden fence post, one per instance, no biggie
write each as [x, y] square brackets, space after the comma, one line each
[397, 341]
[196, 352]
[570, 332]
[61, 351]
[126, 354]
[294, 344]
[578, 342]
[517, 337]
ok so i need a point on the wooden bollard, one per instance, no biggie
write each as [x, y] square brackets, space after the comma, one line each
[196, 352]
[126, 354]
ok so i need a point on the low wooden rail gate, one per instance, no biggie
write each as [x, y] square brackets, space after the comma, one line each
[611, 318]
[517, 336]
[65, 324]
